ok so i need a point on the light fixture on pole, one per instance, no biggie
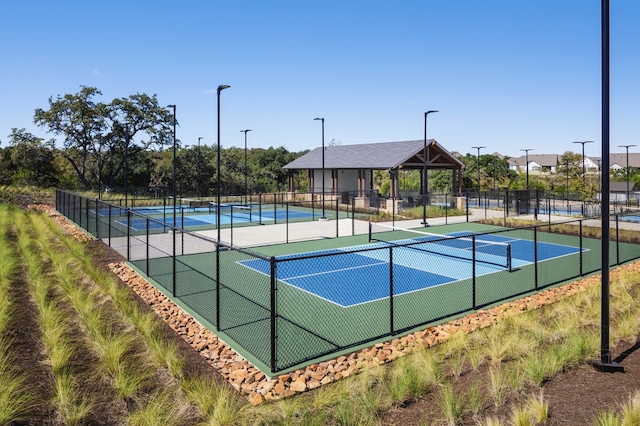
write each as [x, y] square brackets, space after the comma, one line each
[323, 217]
[425, 182]
[478, 148]
[245, 164]
[526, 154]
[627, 169]
[220, 89]
[584, 185]
[199, 171]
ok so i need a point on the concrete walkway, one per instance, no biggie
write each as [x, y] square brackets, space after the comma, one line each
[254, 236]
[303, 231]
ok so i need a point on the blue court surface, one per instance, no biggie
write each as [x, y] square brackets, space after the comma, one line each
[205, 216]
[632, 219]
[354, 278]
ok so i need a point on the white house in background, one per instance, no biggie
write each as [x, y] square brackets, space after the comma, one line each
[618, 161]
[538, 163]
[590, 165]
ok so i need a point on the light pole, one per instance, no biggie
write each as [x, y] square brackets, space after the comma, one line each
[478, 148]
[199, 171]
[627, 168]
[245, 164]
[425, 182]
[526, 155]
[174, 163]
[323, 217]
[584, 185]
[220, 89]
[605, 364]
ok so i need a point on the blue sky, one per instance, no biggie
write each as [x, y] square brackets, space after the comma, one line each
[506, 74]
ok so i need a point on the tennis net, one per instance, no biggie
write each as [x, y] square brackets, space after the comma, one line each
[470, 248]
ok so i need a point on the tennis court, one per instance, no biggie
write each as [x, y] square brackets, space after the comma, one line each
[419, 263]
[202, 217]
[329, 296]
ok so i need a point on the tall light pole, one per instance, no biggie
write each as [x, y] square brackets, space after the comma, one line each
[220, 89]
[478, 148]
[425, 182]
[627, 168]
[323, 215]
[605, 363]
[526, 155]
[199, 171]
[584, 185]
[245, 164]
[174, 163]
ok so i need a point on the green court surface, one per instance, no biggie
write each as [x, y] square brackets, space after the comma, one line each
[309, 327]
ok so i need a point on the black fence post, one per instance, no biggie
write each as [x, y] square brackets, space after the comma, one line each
[173, 258]
[486, 204]
[275, 210]
[274, 305]
[128, 235]
[446, 209]
[393, 211]
[109, 227]
[218, 285]
[466, 205]
[535, 257]
[286, 227]
[353, 216]
[231, 230]
[581, 247]
[147, 246]
[337, 218]
[182, 232]
[164, 214]
[473, 270]
[617, 240]
[97, 223]
[391, 325]
[505, 206]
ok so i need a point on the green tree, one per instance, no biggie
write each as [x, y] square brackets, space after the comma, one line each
[136, 123]
[32, 159]
[493, 171]
[98, 136]
[266, 167]
[81, 122]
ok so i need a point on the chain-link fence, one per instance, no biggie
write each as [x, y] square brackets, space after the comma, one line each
[291, 304]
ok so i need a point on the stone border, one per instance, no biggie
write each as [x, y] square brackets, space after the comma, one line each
[256, 387]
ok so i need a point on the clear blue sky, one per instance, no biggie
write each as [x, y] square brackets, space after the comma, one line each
[507, 74]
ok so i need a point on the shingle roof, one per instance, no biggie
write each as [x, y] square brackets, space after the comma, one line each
[621, 186]
[621, 159]
[544, 160]
[375, 156]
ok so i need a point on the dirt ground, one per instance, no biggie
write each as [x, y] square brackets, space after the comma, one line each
[576, 397]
